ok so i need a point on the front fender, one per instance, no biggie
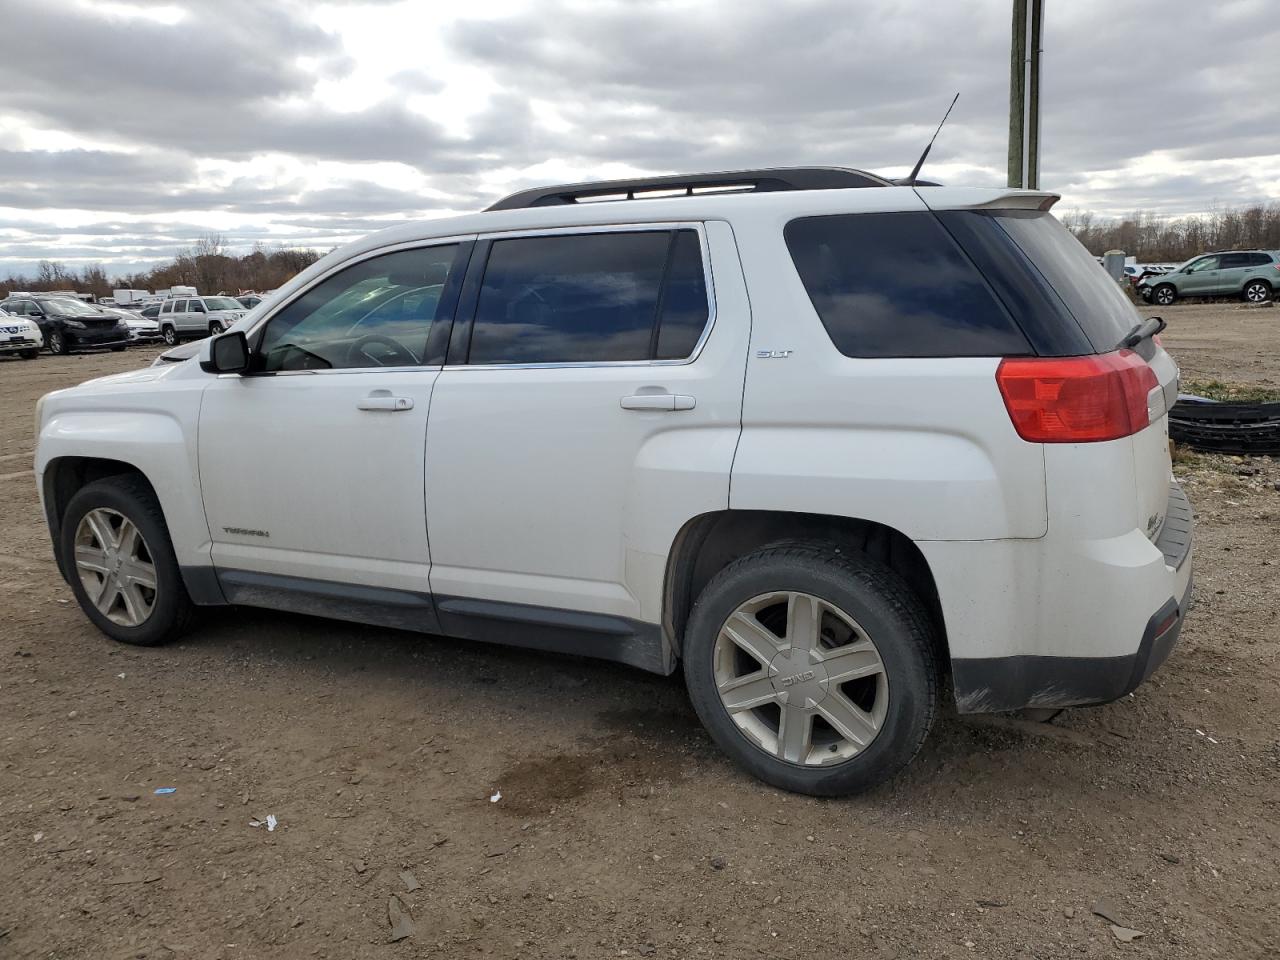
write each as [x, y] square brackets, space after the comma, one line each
[148, 426]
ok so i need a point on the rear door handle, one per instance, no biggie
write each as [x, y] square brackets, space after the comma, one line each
[658, 401]
[389, 403]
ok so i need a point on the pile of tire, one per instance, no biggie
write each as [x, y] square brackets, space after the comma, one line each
[1217, 427]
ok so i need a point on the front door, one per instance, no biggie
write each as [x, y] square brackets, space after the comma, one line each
[311, 466]
[1203, 278]
[585, 421]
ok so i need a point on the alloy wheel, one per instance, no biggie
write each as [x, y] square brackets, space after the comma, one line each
[1164, 296]
[57, 343]
[215, 328]
[1257, 293]
[800, 678]
[115, 567]
[170, 336]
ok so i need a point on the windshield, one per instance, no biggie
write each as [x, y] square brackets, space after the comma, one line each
[222, 303]
[66, 307]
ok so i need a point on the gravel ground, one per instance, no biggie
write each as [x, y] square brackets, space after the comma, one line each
[620, 830]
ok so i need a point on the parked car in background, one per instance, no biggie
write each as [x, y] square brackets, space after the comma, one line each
[1137, 272]
[188, 317]
[1253, 275]
[826, 449]
[249, 301]
[20, 335]
[67, 324]
[151, 311]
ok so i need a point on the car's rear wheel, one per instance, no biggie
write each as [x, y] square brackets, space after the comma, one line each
[58, 343]
[215, 328]
[1164, 294]
[169, 335]
[1257, 291]
[813, 669]
[123, 570]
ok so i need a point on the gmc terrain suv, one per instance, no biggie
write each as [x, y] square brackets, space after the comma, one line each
[823, 442]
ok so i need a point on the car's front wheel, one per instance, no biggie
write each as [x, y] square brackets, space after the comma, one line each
[1164, 294]
[812, 668]
[123, 569]
[215, 328]
[1257, 291]
[58, 343]
[169, 335]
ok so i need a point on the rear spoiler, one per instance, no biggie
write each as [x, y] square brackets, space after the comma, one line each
[977, 199]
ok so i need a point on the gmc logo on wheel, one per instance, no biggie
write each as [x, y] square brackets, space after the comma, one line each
[798, 678]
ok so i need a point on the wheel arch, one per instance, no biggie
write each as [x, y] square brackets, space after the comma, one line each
[709, 542]
[63, 477]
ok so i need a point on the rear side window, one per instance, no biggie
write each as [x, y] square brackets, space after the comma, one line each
[898, 285]
[591, 298]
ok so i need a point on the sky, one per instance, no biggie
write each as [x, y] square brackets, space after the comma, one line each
[129, 129]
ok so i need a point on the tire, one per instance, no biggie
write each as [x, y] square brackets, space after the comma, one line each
[130, 499]
[169, 335]
[215, 328]
[29, 354]
[851, 591]
[58, 344]
[1164, 294]
[1256, 291]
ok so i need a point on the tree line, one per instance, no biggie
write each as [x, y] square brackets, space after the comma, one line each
[211, 268]
[1153, 238]
[207, 265]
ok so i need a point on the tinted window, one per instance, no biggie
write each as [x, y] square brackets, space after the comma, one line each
[166, 307]
[566, 299]
[195, 306]
[897, 285]
[1258, 259]
[684, 302]
[1232, 261]
[376, 313]
[1098, 305]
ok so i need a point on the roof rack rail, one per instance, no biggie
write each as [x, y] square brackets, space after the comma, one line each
[731, 181]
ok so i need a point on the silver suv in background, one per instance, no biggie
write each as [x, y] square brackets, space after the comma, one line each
[1252, 275]
[197, 317]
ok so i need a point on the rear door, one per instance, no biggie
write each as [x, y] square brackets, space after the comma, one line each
[586, 412]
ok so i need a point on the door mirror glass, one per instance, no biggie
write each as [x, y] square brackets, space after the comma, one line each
[228, 353]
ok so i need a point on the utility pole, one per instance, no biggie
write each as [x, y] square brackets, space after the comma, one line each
[1024, 94]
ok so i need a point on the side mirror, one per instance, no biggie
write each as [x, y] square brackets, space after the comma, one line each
[228, 353]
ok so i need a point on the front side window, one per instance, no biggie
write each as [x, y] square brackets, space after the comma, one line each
[376, 313]
[195, 306]
[1208, 263]
[591, 298]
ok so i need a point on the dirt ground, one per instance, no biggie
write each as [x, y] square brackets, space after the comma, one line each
[621, 831]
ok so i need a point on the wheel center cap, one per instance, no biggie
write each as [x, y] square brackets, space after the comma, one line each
[798, 678]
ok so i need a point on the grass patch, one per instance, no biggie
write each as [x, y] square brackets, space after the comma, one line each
[1231, 392]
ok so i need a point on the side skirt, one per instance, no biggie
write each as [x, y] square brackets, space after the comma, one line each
[600, 636]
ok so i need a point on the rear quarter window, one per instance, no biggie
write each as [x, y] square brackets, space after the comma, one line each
[898, 285]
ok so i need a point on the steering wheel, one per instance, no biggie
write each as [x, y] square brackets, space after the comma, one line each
[401, 356]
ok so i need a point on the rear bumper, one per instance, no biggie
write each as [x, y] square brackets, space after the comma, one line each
[996, 684]
[1095, 606]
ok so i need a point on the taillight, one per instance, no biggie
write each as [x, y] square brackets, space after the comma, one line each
[1076, 399]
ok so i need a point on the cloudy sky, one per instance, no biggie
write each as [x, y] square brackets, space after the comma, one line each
[129, 128]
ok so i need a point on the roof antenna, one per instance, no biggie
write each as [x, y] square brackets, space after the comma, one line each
[915, 171]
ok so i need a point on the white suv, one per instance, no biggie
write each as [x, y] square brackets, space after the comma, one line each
[826, 443]
[197, 317]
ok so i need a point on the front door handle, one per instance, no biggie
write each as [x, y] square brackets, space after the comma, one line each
[386, 402]
[658, 401]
